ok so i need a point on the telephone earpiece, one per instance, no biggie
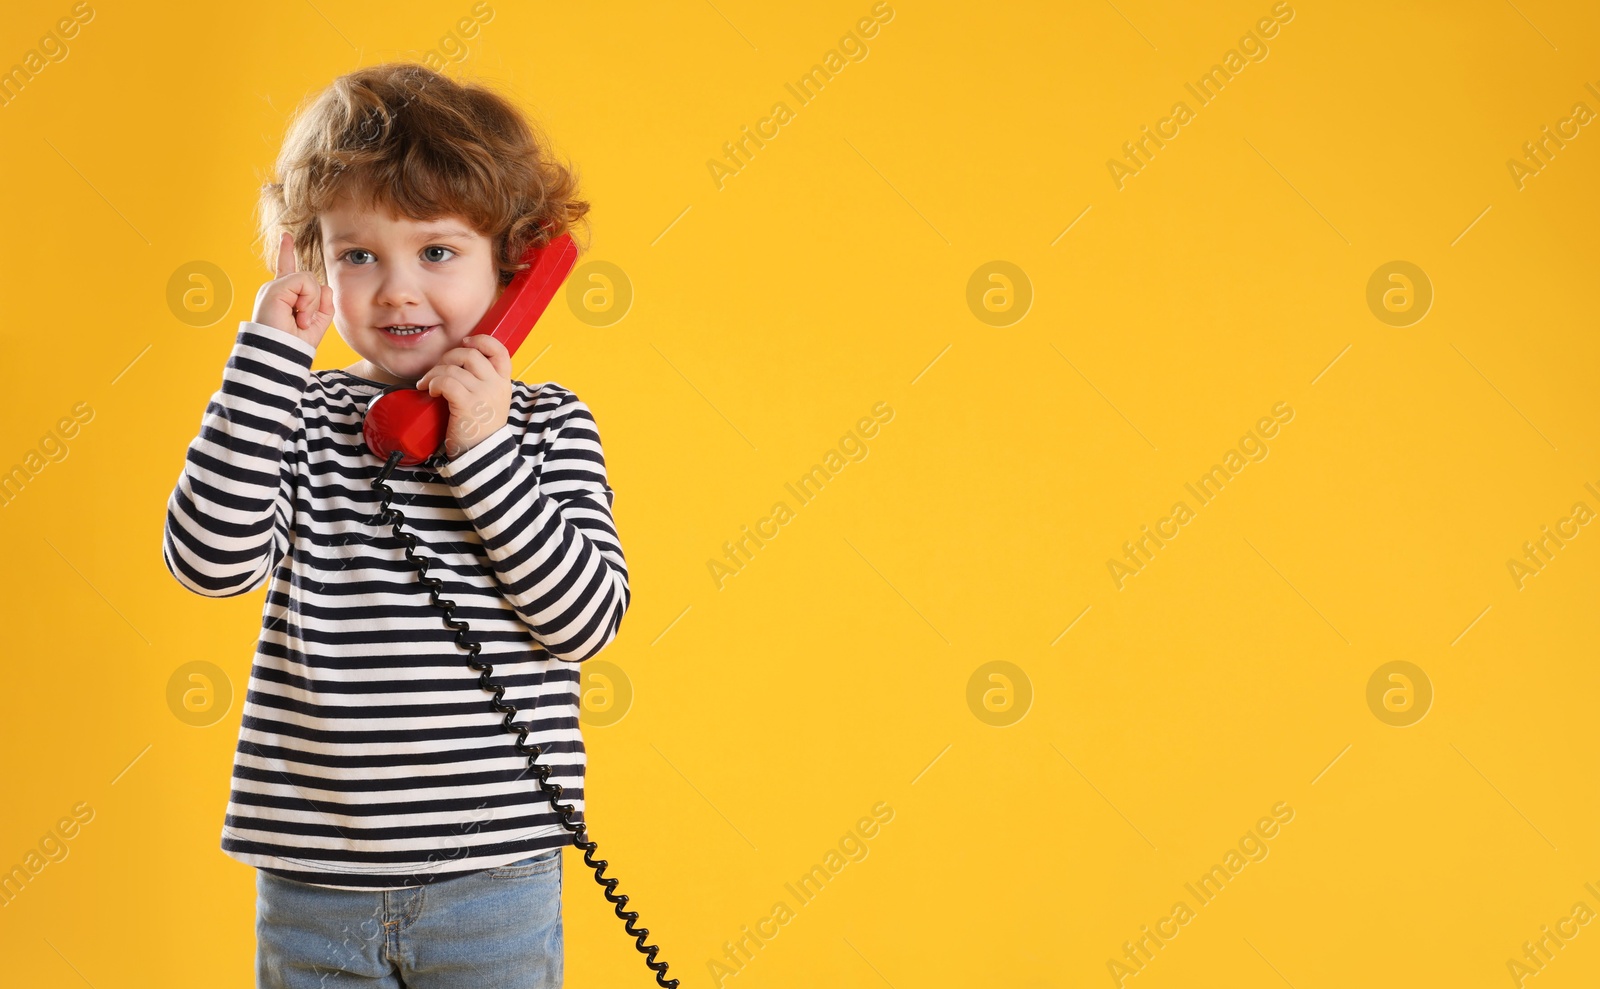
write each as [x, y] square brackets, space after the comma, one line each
[412, 423]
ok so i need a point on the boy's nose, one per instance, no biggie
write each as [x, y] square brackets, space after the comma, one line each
[396, 290]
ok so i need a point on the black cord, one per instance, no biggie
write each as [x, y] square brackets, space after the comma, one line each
[551, 790]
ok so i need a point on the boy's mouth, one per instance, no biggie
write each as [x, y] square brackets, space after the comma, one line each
[407, 334]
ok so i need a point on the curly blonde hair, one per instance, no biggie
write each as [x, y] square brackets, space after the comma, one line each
[405, 137]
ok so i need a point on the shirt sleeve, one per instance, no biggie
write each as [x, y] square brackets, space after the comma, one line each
[548, 529]
[228, 519]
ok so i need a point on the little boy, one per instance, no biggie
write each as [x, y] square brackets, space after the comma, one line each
[399, 838]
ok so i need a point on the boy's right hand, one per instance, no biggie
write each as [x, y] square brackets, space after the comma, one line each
[294, 302]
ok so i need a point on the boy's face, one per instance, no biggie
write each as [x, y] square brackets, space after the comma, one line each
[388, 270]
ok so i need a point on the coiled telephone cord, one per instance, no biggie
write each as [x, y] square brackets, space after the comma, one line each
[552, 791]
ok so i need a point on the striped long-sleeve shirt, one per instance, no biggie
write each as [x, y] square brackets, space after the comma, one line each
[368, 754]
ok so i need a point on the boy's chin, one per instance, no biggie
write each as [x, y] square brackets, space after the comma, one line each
[409, 367]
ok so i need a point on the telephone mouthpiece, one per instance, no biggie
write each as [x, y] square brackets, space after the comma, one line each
[410, 421]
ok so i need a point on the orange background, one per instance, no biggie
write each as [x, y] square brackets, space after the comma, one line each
[836, 670]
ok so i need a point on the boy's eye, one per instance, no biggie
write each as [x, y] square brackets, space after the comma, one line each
[348, 255]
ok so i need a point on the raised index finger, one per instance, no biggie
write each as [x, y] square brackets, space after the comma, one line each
[286, 254]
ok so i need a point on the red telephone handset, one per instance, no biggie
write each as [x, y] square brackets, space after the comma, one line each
[413, 422]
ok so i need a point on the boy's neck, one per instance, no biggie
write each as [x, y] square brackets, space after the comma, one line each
[364, 369]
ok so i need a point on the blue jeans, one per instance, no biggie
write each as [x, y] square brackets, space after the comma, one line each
[497, 927]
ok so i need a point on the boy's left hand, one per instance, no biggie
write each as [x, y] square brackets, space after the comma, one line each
[475, 378]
